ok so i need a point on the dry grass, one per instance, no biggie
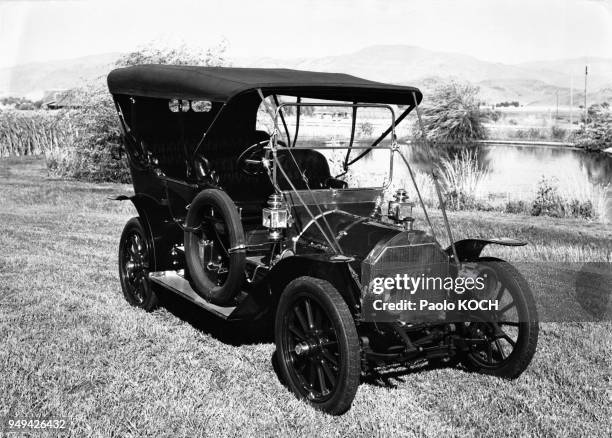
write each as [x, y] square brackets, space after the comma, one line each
[462, 174]
[35, 132]
[72, 347]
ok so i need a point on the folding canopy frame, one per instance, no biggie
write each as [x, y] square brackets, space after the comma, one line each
[228, 85]
[331, 239]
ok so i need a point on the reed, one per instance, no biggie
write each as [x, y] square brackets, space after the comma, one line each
[599, 196]
[35, 132]
[462, 178]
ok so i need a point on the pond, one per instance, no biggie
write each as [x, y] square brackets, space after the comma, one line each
[513, 171]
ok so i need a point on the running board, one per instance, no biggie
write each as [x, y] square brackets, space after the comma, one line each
[172, 281]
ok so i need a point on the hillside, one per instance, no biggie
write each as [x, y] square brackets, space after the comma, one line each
[33, 79]
[533, 83]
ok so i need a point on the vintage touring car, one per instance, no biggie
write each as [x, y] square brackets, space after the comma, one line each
[248, 223]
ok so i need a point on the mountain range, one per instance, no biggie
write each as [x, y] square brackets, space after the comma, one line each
[537, 83]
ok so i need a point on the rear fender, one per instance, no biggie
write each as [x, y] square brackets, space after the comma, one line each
[162, 231]
[470, 249]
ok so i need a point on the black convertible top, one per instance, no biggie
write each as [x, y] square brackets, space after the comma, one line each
[221, 84]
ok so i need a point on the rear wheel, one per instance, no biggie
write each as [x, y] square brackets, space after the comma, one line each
[317, 345]
[135, 262]
[507, 338]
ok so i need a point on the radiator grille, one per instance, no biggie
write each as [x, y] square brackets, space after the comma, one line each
[424, 259]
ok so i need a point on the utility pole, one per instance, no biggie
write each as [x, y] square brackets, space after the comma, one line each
[557, 115]
[586, 73]
[571, 100]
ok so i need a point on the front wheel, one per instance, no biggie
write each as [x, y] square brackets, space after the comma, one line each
[507, 338]
[135, 263]
[317, 345]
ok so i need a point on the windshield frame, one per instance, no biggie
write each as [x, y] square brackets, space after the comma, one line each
[275, 146]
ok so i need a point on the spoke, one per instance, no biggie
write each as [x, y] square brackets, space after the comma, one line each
[500, 349]
[329, 374]
[309, 314]
[293, 329]
[321, 379]
[318, 317]
[137, 241]
[511, 323]
[220, 242]
[300, 318]
[500, 294]
[328, 357]
[311, 374]
[329, 343]
[509, 339]
[507, 307]
[489, 353]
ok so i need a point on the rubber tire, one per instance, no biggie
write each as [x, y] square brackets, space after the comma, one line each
[337, 310]
[526, 344]
[150, 301]
[208, 290]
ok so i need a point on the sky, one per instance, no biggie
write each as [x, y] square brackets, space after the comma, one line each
[508, 31]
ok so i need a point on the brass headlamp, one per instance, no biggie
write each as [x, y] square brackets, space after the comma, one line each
[275, 216]
[400, 208]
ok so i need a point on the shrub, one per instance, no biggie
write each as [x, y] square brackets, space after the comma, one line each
[453, 114]
[531, 134]
[96, 133]
[596, 133]
[548, 202]
[581, 209]
[365, 129]
[180, 55]
[558, 133]
[492, 115]
[94, 130]
[517, 207]
[536, 134]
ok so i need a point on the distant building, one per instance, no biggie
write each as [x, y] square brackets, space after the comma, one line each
[56, 99]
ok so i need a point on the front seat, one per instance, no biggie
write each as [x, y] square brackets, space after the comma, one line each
[311, 164]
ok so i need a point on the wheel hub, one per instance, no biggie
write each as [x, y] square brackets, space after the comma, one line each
[303, 348]
[133, 266]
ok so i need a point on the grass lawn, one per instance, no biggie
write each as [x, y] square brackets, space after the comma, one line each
[71, 347]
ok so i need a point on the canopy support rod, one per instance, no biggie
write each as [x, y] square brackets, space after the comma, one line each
[435, 181]
[348, 152]
[297, 119]
[212, 124]
[280, 112]
[382, 137]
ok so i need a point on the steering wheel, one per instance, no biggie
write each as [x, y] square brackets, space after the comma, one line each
[250, 161]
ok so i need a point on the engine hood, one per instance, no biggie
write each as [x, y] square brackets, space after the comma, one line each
[358, 236]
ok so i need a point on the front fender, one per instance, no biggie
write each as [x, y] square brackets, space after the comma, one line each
[470, 249]
[337, 272]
